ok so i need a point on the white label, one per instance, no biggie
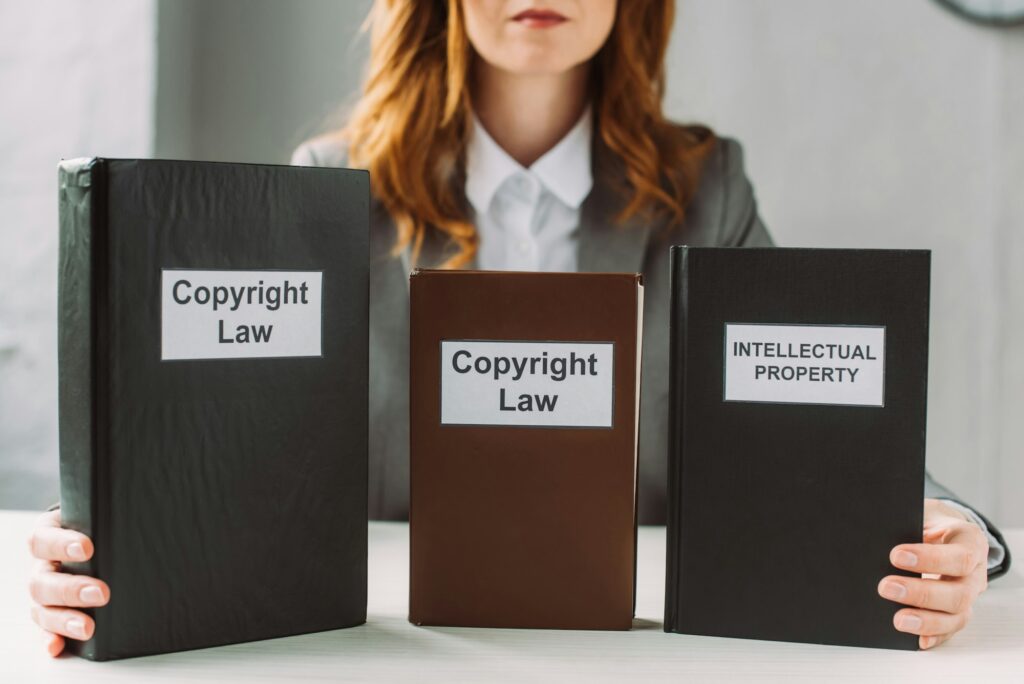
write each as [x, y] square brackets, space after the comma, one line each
[552, 384]
[805, 364]
[240, 314]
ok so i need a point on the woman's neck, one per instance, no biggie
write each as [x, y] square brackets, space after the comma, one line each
[528, 114]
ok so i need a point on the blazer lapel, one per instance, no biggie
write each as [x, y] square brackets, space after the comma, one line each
[604, 243]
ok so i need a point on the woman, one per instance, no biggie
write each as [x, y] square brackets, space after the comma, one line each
[514, 134]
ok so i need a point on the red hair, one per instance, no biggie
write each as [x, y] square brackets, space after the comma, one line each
[410, 127]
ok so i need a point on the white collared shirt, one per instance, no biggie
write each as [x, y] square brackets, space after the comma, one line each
[527, 218]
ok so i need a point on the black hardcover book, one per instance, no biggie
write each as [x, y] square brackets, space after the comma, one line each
[797, 440]
[213, 398]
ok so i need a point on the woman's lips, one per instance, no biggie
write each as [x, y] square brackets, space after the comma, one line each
[539, 18]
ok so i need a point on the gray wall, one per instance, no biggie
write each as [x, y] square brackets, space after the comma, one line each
[76, 80]
[870, 123]
[891, 123]
[248, 80]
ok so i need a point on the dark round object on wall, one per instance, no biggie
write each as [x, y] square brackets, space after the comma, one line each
[988, 12]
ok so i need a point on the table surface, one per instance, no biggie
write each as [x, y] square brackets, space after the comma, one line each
[388, 648]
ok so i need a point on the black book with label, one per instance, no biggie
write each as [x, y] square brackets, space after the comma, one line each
[798, 386]
[213, 398]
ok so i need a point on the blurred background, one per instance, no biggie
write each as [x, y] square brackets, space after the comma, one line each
[866, 123]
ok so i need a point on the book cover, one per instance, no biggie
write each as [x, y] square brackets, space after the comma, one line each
[798, 388]
[523, 439]
[213, 398]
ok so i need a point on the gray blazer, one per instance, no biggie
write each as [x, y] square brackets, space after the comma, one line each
[723, 213]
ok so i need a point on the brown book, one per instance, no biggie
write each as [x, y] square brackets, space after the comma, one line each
[524, 399]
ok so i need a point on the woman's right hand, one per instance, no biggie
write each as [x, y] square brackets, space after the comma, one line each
[57, 594]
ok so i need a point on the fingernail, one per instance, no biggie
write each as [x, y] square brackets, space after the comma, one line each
[91, 595]
[76, 627]
[75, 551]
[906, 559]
[893, 590]
[909, 623]
[928, 642]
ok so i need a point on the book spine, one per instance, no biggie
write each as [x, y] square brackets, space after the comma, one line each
[677, 383]
[638, 365]
[81, 325]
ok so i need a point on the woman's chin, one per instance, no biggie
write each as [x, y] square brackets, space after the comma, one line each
[534, 62]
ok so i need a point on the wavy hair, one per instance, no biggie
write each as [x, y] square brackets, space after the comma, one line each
[411, 125]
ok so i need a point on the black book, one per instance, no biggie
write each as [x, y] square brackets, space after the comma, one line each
[797, 440]
[213, 398]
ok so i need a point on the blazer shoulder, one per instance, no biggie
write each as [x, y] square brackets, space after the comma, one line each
[329, 150]
[722, 162]
[724, 175]
[723, 204]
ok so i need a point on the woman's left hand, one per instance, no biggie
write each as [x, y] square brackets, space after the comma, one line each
[954, 562]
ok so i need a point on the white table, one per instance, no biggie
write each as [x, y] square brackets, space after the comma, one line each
[388, 648]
